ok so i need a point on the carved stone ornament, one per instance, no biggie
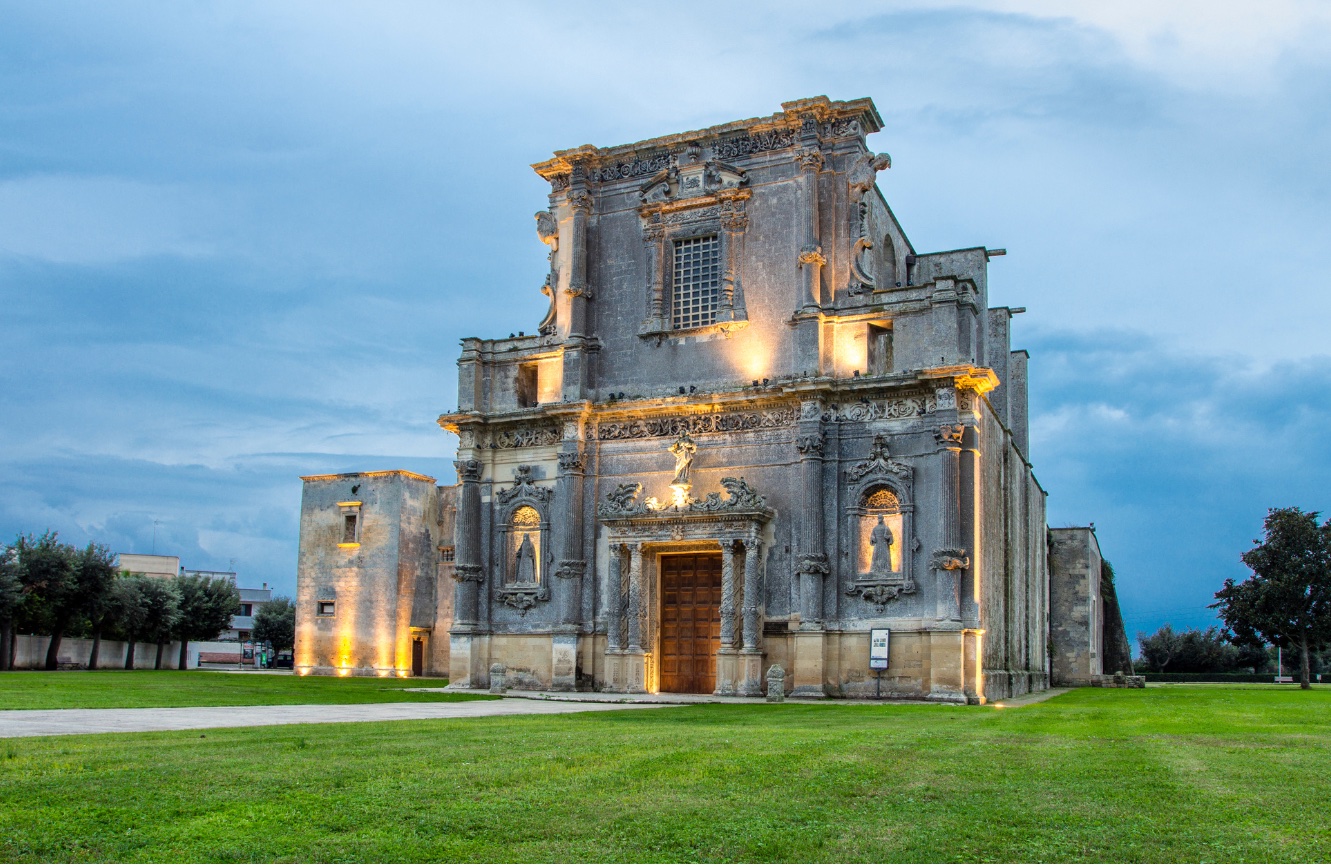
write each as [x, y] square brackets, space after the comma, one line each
[547, 229]
[810, 159]
[755, 142]
[950, 434]
[841, 127]
[697, 424]
[812, 255]
[523, 598]
[580, 201]
[522, 435]
[813, 565]
[639, 167]
[949, 559]
[468, 470]
[570, 568]
[810, 410]
[810, 444]
[868, 409]
[945, 397]
[570, 461]
[559, 183]
[524, 486]
[880, 594]
[467, 573]
[879, 462]
[623, 502]
[863, 172]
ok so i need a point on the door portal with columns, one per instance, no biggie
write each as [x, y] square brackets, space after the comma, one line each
[690, 622]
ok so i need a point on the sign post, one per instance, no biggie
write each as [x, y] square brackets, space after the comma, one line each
[878, 642]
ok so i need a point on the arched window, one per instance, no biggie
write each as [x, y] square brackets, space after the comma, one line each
[887, 264]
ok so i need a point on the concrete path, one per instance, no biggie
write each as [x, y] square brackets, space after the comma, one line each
[64, 722]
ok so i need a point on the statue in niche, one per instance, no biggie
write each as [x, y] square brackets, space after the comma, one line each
[526, 564]
[683, 449]
[881, 540]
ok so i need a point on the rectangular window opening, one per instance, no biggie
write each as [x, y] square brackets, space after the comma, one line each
[246, 610]
[880, 349]
[349, 525]
[327, 608]
[528, 378]
[697, 282]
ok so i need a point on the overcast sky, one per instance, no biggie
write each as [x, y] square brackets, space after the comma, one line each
[239, 242]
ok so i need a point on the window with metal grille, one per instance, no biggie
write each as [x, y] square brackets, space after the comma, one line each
[697, 281]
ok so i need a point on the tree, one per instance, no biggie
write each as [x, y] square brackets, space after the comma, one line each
[50, 583]
[206, 607]
[1188, 651]
[129, 611]
[95, 571]
[275, 623]
[1287, 600]
[11, 597]
[163, 611]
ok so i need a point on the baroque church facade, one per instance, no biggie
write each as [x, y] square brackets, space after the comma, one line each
[754, 426]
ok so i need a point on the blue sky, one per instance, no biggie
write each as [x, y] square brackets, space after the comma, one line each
[239, 242]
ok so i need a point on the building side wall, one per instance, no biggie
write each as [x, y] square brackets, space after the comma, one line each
[372, 585]
[1076, 625]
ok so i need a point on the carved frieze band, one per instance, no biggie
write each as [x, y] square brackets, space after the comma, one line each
[695, 424]
[524, 435]
[757, 142]
[636, 168]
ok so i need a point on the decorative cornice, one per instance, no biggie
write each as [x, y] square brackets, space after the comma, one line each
[950, 559]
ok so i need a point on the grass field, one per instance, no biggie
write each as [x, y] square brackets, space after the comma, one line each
[144, 689]
[1166, 774]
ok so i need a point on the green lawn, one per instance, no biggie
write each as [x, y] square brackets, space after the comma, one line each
[1169, 773]
[143, 689]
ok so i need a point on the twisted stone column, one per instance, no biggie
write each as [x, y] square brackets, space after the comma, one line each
[751, 549]
[635, 598]
[727, 596]
[614, 599]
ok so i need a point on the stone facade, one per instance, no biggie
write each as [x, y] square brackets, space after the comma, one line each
[745, 361]
[1077, 623]
[368, 573]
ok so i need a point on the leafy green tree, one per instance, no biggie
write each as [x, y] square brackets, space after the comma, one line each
[95, 571]
[163, 605]
[206, 607]
[129, 611]
[1287, 600]
[1187, 651]
[275, 622]
[11, 599]
[51, 587]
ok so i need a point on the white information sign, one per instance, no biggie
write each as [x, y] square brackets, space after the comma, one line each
[878, 638]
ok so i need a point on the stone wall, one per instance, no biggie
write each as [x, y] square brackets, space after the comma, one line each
[1076, 623]
[378, 587]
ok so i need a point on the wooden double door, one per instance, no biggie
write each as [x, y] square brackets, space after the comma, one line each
[690, 622]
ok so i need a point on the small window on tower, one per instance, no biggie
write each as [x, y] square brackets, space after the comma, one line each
[327, 608]
[350, 536]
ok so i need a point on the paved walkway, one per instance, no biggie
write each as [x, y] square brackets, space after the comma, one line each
[63, 722]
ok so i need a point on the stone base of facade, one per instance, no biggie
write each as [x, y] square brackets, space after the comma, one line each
[938, 665]
[358, 672]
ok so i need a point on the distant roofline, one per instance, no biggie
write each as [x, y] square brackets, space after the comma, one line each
[403, 472]
[820, 107]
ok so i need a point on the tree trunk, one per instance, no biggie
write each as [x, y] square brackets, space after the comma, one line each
[129, 656]
[184, 654]
[1304, 666]
[53, 651]
[158, 664]
[5, 628]
[96, 653]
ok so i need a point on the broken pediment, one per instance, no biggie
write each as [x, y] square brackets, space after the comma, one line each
[691, 181]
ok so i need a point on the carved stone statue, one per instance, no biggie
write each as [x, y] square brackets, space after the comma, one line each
[526, 564]
[547, 229]
[683, 449]
[880, 541]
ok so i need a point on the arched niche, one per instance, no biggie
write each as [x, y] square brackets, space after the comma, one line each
[880, 488]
